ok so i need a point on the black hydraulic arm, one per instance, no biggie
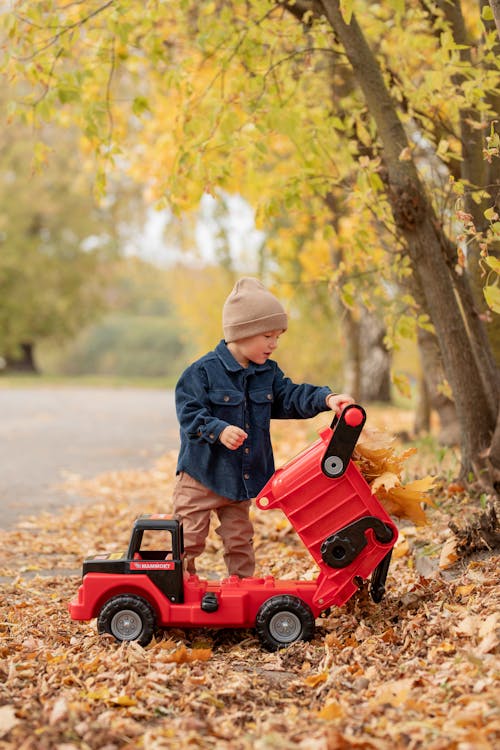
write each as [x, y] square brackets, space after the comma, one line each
[346, 431]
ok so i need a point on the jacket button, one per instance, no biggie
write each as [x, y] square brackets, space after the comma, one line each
[269, 396]
[211, 436]
[226, 398]
[247, 450]
[246, 476]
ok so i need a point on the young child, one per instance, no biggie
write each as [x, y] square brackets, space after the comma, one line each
[225, 402]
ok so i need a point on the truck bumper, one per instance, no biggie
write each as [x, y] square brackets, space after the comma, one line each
[77, 608]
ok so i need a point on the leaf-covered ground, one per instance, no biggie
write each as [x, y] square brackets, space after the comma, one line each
[420, 670]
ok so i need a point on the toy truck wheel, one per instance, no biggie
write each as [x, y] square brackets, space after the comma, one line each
[127, 618]
[283, 620]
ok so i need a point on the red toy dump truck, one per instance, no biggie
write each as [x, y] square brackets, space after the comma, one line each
[330, 506]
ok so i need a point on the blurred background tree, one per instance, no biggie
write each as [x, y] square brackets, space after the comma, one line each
[55, 246]
[138, 334]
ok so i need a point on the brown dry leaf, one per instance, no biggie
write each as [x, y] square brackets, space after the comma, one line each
[8, 719]
[449, 555]
[241, 697]
[59, 711]
[184, 656]
[395, 693]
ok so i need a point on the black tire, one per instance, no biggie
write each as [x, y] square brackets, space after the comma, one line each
[127, 618]
[283, 620]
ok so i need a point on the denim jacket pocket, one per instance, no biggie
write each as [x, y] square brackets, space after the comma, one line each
[227, 405]
[261, 402]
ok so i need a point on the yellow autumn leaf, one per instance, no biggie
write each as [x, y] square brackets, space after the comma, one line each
[401, 548]
[316, 679]
[98, 695]
[421, 485]
[331, 710]
[387, 480]
[403, 503]
[123, 700]
[465, 590]
[382, 467]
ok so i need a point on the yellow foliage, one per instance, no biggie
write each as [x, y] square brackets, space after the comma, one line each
[198, 296]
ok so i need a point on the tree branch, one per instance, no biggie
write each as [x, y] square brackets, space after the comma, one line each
[63, 30]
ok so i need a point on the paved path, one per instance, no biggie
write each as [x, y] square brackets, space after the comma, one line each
[46, 433]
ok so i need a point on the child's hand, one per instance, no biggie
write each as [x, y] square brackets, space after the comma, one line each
[338, 401]
[232, 437]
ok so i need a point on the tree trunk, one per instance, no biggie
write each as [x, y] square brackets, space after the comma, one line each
[375, 360]
[25, 362]
[418, 225]
[352, 361]
[494, 459]
[479, 177]
[433, 377]
[495, 7]
[368, 363]
[422, 422]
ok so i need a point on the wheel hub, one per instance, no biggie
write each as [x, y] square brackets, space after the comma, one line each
[285, 627]
[126, 625]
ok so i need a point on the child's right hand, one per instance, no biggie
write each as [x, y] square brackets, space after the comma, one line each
[232, 437]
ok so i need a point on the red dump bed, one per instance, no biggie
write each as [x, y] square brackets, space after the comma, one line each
[321, 508]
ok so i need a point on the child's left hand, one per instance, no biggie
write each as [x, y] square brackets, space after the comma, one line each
[338, 401]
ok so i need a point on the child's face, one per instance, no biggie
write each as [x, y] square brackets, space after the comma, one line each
[255, 349]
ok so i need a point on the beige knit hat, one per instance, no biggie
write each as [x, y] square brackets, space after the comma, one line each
[250, 309]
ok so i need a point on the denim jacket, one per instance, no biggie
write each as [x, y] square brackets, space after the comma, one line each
[216, 391]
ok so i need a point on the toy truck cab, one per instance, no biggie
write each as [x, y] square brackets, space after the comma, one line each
[151, 567]
[156, 549]
[329, 504]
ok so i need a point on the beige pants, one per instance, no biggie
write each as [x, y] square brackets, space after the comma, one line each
[193, 503]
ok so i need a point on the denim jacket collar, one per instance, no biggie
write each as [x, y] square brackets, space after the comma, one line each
[231, 364]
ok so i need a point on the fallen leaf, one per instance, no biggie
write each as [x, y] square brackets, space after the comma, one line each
[387, 480]
[316, 679]
[330, 711]
[455, 488]
[464, 591]
[448, 556]
[401, 548]
[123, 700]
[8, 719]
[182, 655]
[395, 693]
[59, 711]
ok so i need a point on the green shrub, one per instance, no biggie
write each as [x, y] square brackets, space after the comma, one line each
[127, 345]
